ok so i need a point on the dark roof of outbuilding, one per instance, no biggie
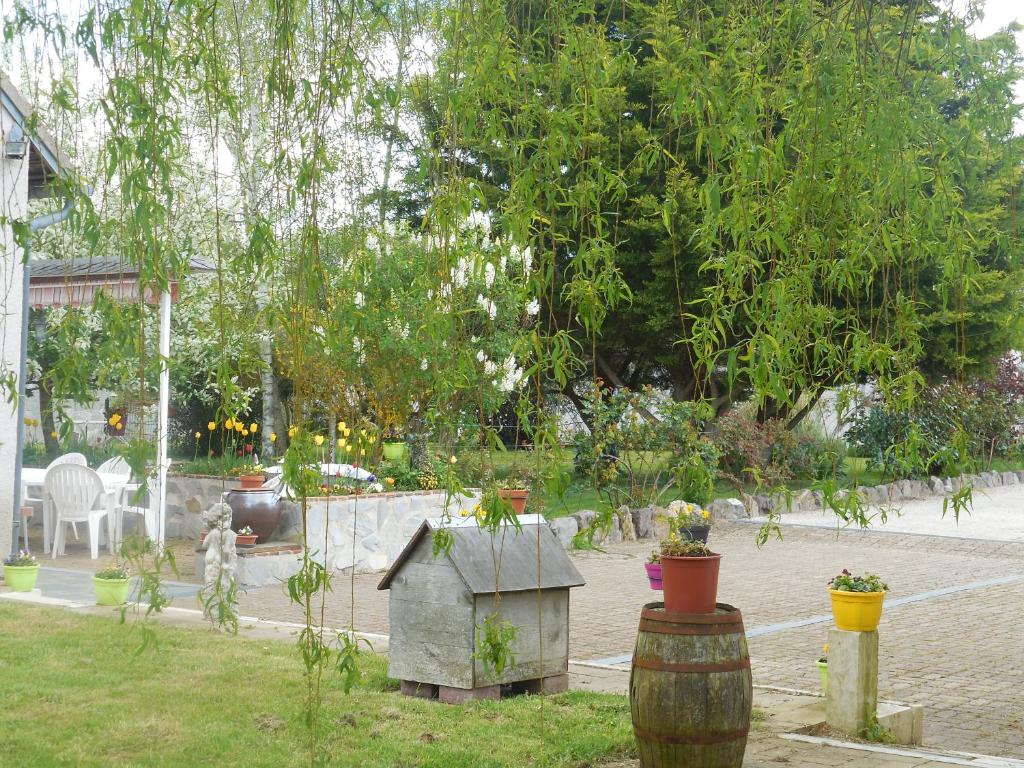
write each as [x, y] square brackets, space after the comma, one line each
[475, 551]
[68, 269]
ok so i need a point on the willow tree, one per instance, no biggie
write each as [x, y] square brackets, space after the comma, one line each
[797, 197]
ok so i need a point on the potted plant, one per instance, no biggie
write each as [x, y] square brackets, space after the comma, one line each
[857, 601]
[252, 476]
[393, 445]
[245, 537]
[515, 490]
[691, 523]
[21, 571]
[823, 668]
[112, 585]
[653, 566]
[689, 572]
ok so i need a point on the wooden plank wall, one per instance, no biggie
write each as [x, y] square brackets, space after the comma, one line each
[431, 616]
[520, 608]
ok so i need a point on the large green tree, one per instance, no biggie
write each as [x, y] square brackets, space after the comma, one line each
[796, 197]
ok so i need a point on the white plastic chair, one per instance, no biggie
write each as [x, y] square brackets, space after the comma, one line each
[67, 458]
[78, 495]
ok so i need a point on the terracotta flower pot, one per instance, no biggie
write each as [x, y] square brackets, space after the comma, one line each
[245, 540]
[690, 583]
[654, 574]
[856, 611]
[516, 497]
[259, 508]
[250, 482]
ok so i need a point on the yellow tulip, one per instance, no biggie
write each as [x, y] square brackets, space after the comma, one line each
[229, 424]
[347, 431]
[198, 435]
[238, 427]
[319, 440]
[341, 426]
[253, 427]
[292, 431]
[273, 437]
[211, 425]
[341, 443]
[245, 432]
[362, 451]
[111, 421]
[53, 434]
[453, 460]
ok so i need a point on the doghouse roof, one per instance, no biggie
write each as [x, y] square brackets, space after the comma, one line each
[475, 551]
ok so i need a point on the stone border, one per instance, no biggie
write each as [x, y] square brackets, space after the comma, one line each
[635, 524]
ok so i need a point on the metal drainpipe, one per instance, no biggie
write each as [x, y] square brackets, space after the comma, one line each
[41, 222]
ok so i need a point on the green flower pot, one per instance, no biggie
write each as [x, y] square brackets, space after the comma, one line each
[111, 591]
[823, 674]
[21, 578]
[394, 450]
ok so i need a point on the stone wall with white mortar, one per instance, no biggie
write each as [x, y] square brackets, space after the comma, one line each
[368, 532]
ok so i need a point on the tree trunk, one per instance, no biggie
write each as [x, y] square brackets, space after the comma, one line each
[46, 415]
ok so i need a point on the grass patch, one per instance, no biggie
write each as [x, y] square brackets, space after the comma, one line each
[75, 695]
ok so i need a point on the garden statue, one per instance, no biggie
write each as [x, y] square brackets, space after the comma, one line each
[221, 557]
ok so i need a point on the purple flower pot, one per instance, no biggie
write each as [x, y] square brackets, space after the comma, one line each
[654, 574]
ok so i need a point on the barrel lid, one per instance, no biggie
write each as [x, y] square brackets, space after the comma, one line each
[723, 614]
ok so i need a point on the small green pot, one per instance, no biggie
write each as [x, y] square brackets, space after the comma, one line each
[394, 450]
[111, 591]
[21, 578]
[823, 674]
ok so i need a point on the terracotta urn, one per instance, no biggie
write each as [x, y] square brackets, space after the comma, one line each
[259, 508]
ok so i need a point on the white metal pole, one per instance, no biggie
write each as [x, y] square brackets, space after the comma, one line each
[162, 425]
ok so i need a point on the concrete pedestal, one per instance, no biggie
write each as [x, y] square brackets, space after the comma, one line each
[852, 698]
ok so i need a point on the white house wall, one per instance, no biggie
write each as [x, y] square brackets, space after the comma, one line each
[13, 206]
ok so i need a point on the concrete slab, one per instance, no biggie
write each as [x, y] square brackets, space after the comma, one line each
[997, 515]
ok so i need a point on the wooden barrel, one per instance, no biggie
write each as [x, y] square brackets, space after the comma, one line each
[690, 691]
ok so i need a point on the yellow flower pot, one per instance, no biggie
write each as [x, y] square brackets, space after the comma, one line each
[857, 611]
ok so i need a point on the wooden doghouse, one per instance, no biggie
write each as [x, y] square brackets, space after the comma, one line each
[437, 604]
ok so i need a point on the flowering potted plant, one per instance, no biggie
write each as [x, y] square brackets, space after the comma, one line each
[689, 572]
[112, 585]
[393, 444]
[822, 663]
[245, 537]
[251, 476]
[515, 490]
[653, 566]
[857, 601]
[21, 571]
[691, 522]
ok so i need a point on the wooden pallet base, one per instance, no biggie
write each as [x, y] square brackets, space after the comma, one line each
[450, 695]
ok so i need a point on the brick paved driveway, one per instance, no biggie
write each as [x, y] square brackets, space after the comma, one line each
[961, 654]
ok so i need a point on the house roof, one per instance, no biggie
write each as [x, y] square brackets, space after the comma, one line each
[47, 159]
[75, 282]
[475, 549]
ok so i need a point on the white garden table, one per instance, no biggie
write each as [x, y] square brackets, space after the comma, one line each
[35, 478]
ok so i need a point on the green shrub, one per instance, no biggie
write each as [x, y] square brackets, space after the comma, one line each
[769, 452]
[398, 476]
[642, 445]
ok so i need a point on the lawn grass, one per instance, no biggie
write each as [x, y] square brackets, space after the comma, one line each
[75, 695]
